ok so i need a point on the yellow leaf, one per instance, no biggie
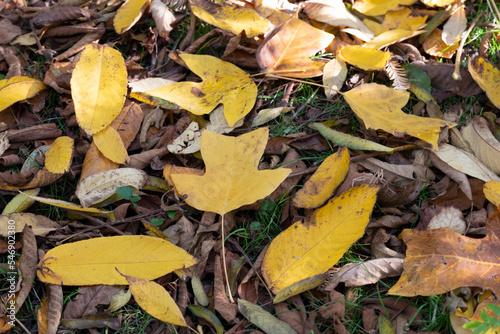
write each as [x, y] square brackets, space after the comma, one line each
[492, 192]
[435, 46]
[98, 87]
[109, 142]
[380, 7]
[323, 182]
[364, 58]
[334, 74]
[231, 179]
[20, 202]
[380, 108]
[231, 18]
[96, 261]
[222, 82]
[155, 300]
[17, 89]
[437, 3]
[390, 37]
[66, 205]
[288, 49]
[402, 19]
[128, 14]
[58, 156]
[487, 77]
[311, 248]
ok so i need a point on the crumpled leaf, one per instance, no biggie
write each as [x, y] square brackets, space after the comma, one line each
[231, 18]
[364, 58]
[128, 14]
[380, 108]
[288, 49]
[17, 89]
[377, 7]
[231, 179]
[310, 248]
[58, 156]
[263, 319]
[95, 261]
[188, 141]
[438, 261]
[483, 143]
[163, 17]
[487, 77]
[222, 82]
[98, 87]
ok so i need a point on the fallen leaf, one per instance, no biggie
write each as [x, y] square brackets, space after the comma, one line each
[110, 144]
[163, 17]
[87, 300]
[288, 49]
[266, 115]
[128, 14]
[437, 3]
[223, 83]
[41, 225]
[435, 46]
[263, 319]
[380, 108]
[334, 75]
[324, 181]
[67, 205]
[310, 248]
[455, 26]
[27, 266]
[487, 77]
[94, 261]
[20, 202]
[231, 179]
[98, 87]
[492, 192]
[451, 218]
[205, 314]
[365, 58]
[377, 7]
[58, 156]
[17, 89]
[483, 143]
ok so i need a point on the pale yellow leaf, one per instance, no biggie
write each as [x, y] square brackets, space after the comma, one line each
[437, 3]
[148, 84]
[223, 83]
[364, 58]
[334, 75]
[17, 89]
[455, 26]
[20, 202]
[98, 87]
[231, 18]
[324, 181]
[58, 156]
[311, 248]
[128, 14]
[487, 77]
[266, 115]
[380, 108]
[96, 261]
[66, 205]
[483, 143]
[390, 37]
[380, 7]
[163, 17]
[263, 319]
[231, 179]
[492, 192]
[155, 300]
[16, 221]
[110, 144]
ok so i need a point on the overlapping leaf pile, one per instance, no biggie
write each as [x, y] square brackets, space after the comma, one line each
[138, 165]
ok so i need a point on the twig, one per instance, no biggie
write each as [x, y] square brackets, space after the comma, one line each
[456, 73]
[103, 224]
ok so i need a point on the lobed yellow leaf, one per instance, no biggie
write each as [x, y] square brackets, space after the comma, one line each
[311, 248]
[17, 89]
[492, 192]
[324, 181]
[232, 178]
[128, 14]
[155, 300]
[380, 7]
[380, 108]
[487, 77]
[364, 58]
[96, 261]
[98, 87]
[58, 156]
[223, 83]
[110, 144]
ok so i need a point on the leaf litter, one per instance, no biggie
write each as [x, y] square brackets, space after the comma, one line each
[262, 169]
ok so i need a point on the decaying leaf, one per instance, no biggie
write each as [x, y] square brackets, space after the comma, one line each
[188, 142]
[483, 143]
[20, 202]
[67, 205]
[40, 225]
[266, 115]
[455, 26]
[488, 78]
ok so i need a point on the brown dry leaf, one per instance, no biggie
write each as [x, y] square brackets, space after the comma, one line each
[221, 302]
[451, 218]
[8, 31]
[40, 225]
[483, 143]
[66, 13]
[288, 48]
[438, 261]
[163, 17]
[27, 266]
[54, 307]
[91, 37]
[89, 297]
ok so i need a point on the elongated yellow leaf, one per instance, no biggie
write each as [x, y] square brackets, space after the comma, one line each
[323, 182]
[128, 14]
[380, 7]
[66, 205]
[380, 108]
[58, 156]
[155, 300]
[364, 58]
[231, 179]
[487, 77]
[110, 144]
[96, 261]
[20, 202]
[492, 192]
[231, 18]
[223, 83]
[98, 87]
[310, 248]
[17, 89]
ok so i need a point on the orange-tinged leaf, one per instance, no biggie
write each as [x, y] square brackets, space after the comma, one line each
[380, 108]
[109, 142]
[231, 179]
[58, 156]
[17, 89]
[435, 46]
[95, 261]
[323, 182]
[492, 192]
[128, 14]
[364, 58]
[223, 83]
[98, 87]
[380, 7]
[310, 248]
[487, 77]
[155, 300]
[231, 18]
[288, 49]
[438, 261]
